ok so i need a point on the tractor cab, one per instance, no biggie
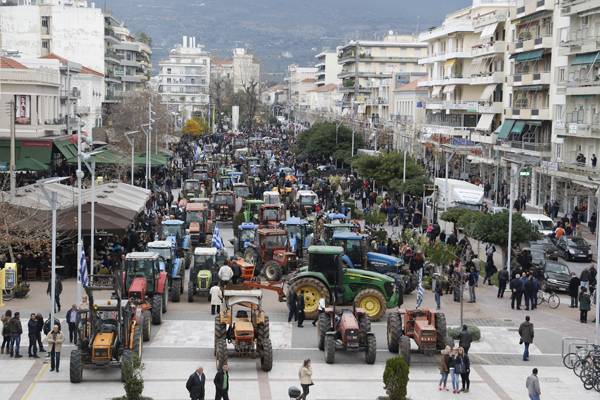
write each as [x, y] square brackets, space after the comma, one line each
[199, 221]
[330, 229]
[142, 272]
[327, 260]
[299, 234]
[241, 190]
[174, 231]
[223, 204]
[191, 188]
[272, 197]
[251, 210]
[165, 250]
[246, 233]
[270, 252]
[203, 274]
[355, 248]
[307, 201]
[270, 215]
[171, 264]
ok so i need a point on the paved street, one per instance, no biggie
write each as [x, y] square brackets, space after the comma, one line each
[184, 341]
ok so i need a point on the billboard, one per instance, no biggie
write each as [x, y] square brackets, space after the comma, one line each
[22, 109]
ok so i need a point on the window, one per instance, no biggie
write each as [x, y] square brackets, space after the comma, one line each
[168, 70]
[46, 44]
[204, 62]
[45, 25]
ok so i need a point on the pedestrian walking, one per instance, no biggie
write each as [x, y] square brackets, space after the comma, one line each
[465, 339]
[516, 289]
[472, 281]
[55, 340]
[502, 281]
[73, 319]
[465, 369]
[216, 299]
[533, 385]
[574, 284]
[16, 330]
[443, 366]
[320, 310]
[438, 290]
[292, 298]
[526, 333]
[40, 321]
[584, 305]
[195, 384]
[57, 292]
[300, 310]
[32, 330]
[305, 375]
[221, 382]
[452, 363]
[5, 331]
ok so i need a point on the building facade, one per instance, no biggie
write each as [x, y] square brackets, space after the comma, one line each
[327, 68]
[246, 70]
[299, 81]
[184, 79]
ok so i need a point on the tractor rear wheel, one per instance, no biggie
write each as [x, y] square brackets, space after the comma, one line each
[266, 355]
[137, 341]
[156, 310]
[373, 302]
[126, 359]
[405, 348]
[323, 327]
[394, 331]
[146, 325]
[272, 271]
[312, 289]
[371, 353]
[191, 288]
[329, 349]
[262, 330]
[75, 367]
[176, 292]
[221, 352]
[441, 330]
[364, 327]
[220, 331]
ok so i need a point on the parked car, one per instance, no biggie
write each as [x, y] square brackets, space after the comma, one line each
[574, 249]
[556, 277]
[552, 252]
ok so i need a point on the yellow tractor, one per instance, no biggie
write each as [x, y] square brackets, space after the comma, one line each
[243, 324]
[110, 330]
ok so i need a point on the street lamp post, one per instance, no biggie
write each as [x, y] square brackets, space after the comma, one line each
[130, 136]
[92, 168]
[79, 174]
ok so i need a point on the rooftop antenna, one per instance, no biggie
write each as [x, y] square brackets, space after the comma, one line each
[418, 24]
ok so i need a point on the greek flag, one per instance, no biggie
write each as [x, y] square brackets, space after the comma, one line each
[217, 242]
[196, 152]
[420, 290]
[83, 274]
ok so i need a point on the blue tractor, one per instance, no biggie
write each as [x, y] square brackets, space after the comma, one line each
[246, 232]
[174, 231]
[357, 255]
[171, 264]
[299, 234]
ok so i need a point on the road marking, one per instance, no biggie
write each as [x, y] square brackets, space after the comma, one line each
[492, 384]
[25, 387]
[264, 389]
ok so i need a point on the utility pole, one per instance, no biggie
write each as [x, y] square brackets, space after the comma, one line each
[12, 166]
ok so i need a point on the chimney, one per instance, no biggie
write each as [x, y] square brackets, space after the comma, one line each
[185, 41]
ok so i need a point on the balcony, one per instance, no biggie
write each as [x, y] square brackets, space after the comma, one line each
[573, 7]
[523, 79]
[133, 78]
[30, 76]
[487, 78]
[579, 124]
[529, 7]
[490, 18]
[528, 113]
[481, 107]
[526, 148]
[383, 101]
[583, 84]
[446, 130]
[444, 30]
[540, 42]
[82, 110]
[582, 40]
[485, 139]
[458, 80]
[488, 49]
[350, 89]
[577, 168]
[445, 56]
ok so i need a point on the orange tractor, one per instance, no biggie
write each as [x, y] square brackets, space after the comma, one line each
[270, 253]
[199, 220]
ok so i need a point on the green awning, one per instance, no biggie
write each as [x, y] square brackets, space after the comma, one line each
[156, 160]
[37, 150]
[504, 130]
[528, 55]
[517, 128]
[67, 149]
[30, 164]
[111, 157]
[534, 123]
[585, 59]
[528, 88]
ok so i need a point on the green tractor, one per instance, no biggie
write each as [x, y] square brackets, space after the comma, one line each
[371, 291]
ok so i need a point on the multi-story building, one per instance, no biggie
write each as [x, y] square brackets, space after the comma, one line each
[408, 114]
[367, 71]
[63, 27]
[246, 70]
[299, 80]
[465, 65]
[220, 68]
[184, 79]
[327, 68]
[127, 60]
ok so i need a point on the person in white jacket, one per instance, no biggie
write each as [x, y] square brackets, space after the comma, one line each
[216, 299]
[305, 375]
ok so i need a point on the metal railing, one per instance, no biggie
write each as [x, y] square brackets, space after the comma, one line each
[530, 146]
[584, 117]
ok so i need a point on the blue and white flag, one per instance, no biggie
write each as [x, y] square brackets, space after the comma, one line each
[196, 152]
[420, 290]
[83, 274]
[217, 242]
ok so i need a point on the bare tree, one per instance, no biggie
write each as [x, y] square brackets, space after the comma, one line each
[221, 93]
[248, 100]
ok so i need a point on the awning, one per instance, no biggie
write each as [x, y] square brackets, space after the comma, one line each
[67, 149]
[585, 59]
[528, 88]
[488, 92]
[534, 123]
[449, 89]
[528, 55]
[517, 128]
[504, 130]
[485, 122]
[111, 157]
[450, 62]
[106, 218]
[436, 91]
[30, 164]
[489, 31]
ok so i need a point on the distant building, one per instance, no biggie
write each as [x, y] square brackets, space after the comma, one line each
[299, 80]
[323, 99]
[246, 69]
[327, 68]
[408, 114]
[184, 79]
[221, 68]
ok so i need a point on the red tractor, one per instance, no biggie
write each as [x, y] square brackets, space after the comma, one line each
[146, 286]
[199, 220]
[270, 215]
[271, 254]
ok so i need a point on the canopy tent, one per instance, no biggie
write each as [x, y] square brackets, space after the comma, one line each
[67, 149]
[30, 155]
[106, 218]
[30, 164]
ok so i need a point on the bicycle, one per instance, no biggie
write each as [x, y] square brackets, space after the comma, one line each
[551, 298]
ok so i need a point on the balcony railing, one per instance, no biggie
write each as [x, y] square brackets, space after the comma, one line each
[529, 146]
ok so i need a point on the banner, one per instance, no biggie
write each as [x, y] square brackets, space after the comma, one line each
[22, 109]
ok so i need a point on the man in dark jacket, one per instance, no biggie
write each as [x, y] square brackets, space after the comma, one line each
[574, 290]
[292, 297]
[32, 330]
[73, 321]
[222, 383]
[516, 289]
[300, 310]
[195, 384]
[465, 339]
[527, 291]
[526, 333]
[502, 281]
[16, 330]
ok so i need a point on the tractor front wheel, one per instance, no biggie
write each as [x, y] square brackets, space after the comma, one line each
[263, 330]
[373, 302]
[273, 271]
[266, 355]
[176, 292]
[371, 353]
[221, 352]
[329, 349]
[220, 332]
[146, 325]
[394, 332]
[75, 367]
[405, 348]
[165, 299]
[323, 327]
[191, 290]
[137, 341]
[364, 327]
[156, 311]
[312, 289]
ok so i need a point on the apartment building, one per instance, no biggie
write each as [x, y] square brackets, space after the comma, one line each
[246, 70]
[408, 114]
[127, 60]
[367, 71]
[327, 68]
[466, 72]
[184, 79]
[299, 80]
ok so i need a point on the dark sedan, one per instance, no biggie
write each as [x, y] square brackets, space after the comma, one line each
[574, 249]
[546, 243]
[556, 277]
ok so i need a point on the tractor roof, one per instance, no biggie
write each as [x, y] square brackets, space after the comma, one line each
[242, 297]
[172, 222]
[199, 200]
[306, 193]
[339, 225]
[192, 180]
[159, 244]
[270, 206]
[141, 255]
[195, 207]
[294, 221]
[333, 216]
[205, 251]
[223, 192]
[253, 201]
[347, 236]
[247, 226]
[240, 184]
[272, 232]
[327, 250]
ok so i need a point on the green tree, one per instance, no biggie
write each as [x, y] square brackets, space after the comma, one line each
[395, 378]
[318, 143]
[493, 228]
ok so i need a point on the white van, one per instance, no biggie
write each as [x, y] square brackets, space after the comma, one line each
[543, 223]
